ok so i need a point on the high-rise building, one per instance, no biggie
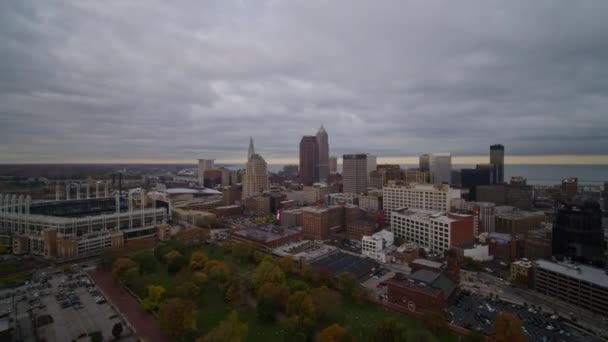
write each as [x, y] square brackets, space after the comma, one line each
[203, 165]
[309, 160]
[255, 180]
[497, 158]
[605, 196]
[333, 164]
[417, 176]
[354, 173]
[471, 178]
[578, 232]
[390, 171]
[424, 162]
[441, 168]
[376, 179]
[371, 165]
[323, 161]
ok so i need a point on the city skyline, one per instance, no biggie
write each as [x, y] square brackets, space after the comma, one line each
[91, 81]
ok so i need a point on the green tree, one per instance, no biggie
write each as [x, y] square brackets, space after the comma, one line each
[267, 272]
[242, 251]
[229, 330]
[187, 290]
[266, 309]
[177, 316]
[297, 329]
[287, 264]
[327, 304]
[176, 264]
[147, 262]
[121, 265]
[347, 283]
[419, 335]
[154, 298]
[276, 292]
[301, 304]
[387, 330]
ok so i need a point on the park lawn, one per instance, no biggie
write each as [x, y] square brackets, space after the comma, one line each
[360, 319]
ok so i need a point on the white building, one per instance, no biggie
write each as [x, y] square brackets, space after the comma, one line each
[418, 196]
[441, 168]
[378, 245]
[317, 192]
[371, 202]
[478, 252]
[341, 198]
[432, 230]
[203, 165]
[255, 180]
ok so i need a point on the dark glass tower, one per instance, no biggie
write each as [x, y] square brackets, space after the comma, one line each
[578, 233]
[309, 160]
[497, 158]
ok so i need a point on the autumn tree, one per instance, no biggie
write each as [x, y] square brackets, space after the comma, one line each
[176, 264]
[327, 304]
[198, 260]
[267, 272]
[242, 251]
[230, 330]
[171, 255]
[323, 277]
[334, 333]
[277, 292]
[154, 298]
[507, 328]
[297, 328]
[217, 270]
[121, 265]
[286, 264]
[177, 316]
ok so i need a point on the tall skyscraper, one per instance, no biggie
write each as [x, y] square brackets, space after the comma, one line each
[371, 165]
[424, 162]
[441, 168]
[354, 173]
[255, 180]
[578, 232]
[497, 158]
[333, 164]
[323, 162]
[472, 178]
[309, 160]
[203, 165]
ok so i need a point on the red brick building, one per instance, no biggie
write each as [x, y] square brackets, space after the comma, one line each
[423, 291]
[317, 223]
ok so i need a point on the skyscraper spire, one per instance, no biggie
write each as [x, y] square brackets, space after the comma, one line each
[251, 150]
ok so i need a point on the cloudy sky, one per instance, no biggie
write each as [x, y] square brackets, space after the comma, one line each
[179, 80]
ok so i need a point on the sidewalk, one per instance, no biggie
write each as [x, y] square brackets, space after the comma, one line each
[143, 323]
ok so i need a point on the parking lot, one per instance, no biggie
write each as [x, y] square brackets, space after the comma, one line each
[377, 282]
[478, 313]
[65, 306]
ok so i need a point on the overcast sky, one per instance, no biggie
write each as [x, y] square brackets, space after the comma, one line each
[180, 80]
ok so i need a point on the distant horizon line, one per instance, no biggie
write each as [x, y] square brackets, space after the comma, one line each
[555, 159]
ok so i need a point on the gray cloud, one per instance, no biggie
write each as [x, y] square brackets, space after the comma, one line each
[191, 79]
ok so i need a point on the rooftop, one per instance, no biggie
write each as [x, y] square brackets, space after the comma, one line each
[423, 214]
[427, 263]
[508, 212]
[585, 273]
[265, 233]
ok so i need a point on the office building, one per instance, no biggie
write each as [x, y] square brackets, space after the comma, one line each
[390, 171]
[605, 196]
[510, 220]
[419, 196]
[486, 215]
[537, 243]
[341, 199]
[417, 176]
[265, 239]
[333, 164]
[472, 178]
[255, 180]
[581, 285]
[433, 230]
[354, 173]
[376, 180]
[519, 196]
[291, 218]
[522, 271]
[578, 233]
[372, 201]
[569, 188]
[258, 205]
[371, 165]
[497, 159]
[309, 159]
[317, 192]
[424, 162]
[323, 160]
[318, 223]
[203, 165]
[441, 168]
[378, 245]
[356, 229]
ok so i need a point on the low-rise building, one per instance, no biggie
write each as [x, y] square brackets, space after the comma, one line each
[405, 253]
[371, 202]
[228, 210]
[315, 194]
[522, 272]
[378, 246]
[580, 285]
[537, 243]
[422, 292]
[505, 247]
[476, 251]
[341, 199]
[357, 229]
[291, 218]
[192, 217]
[266, 238]
[317, 223]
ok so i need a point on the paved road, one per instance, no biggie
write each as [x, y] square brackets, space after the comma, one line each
[143, 323]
